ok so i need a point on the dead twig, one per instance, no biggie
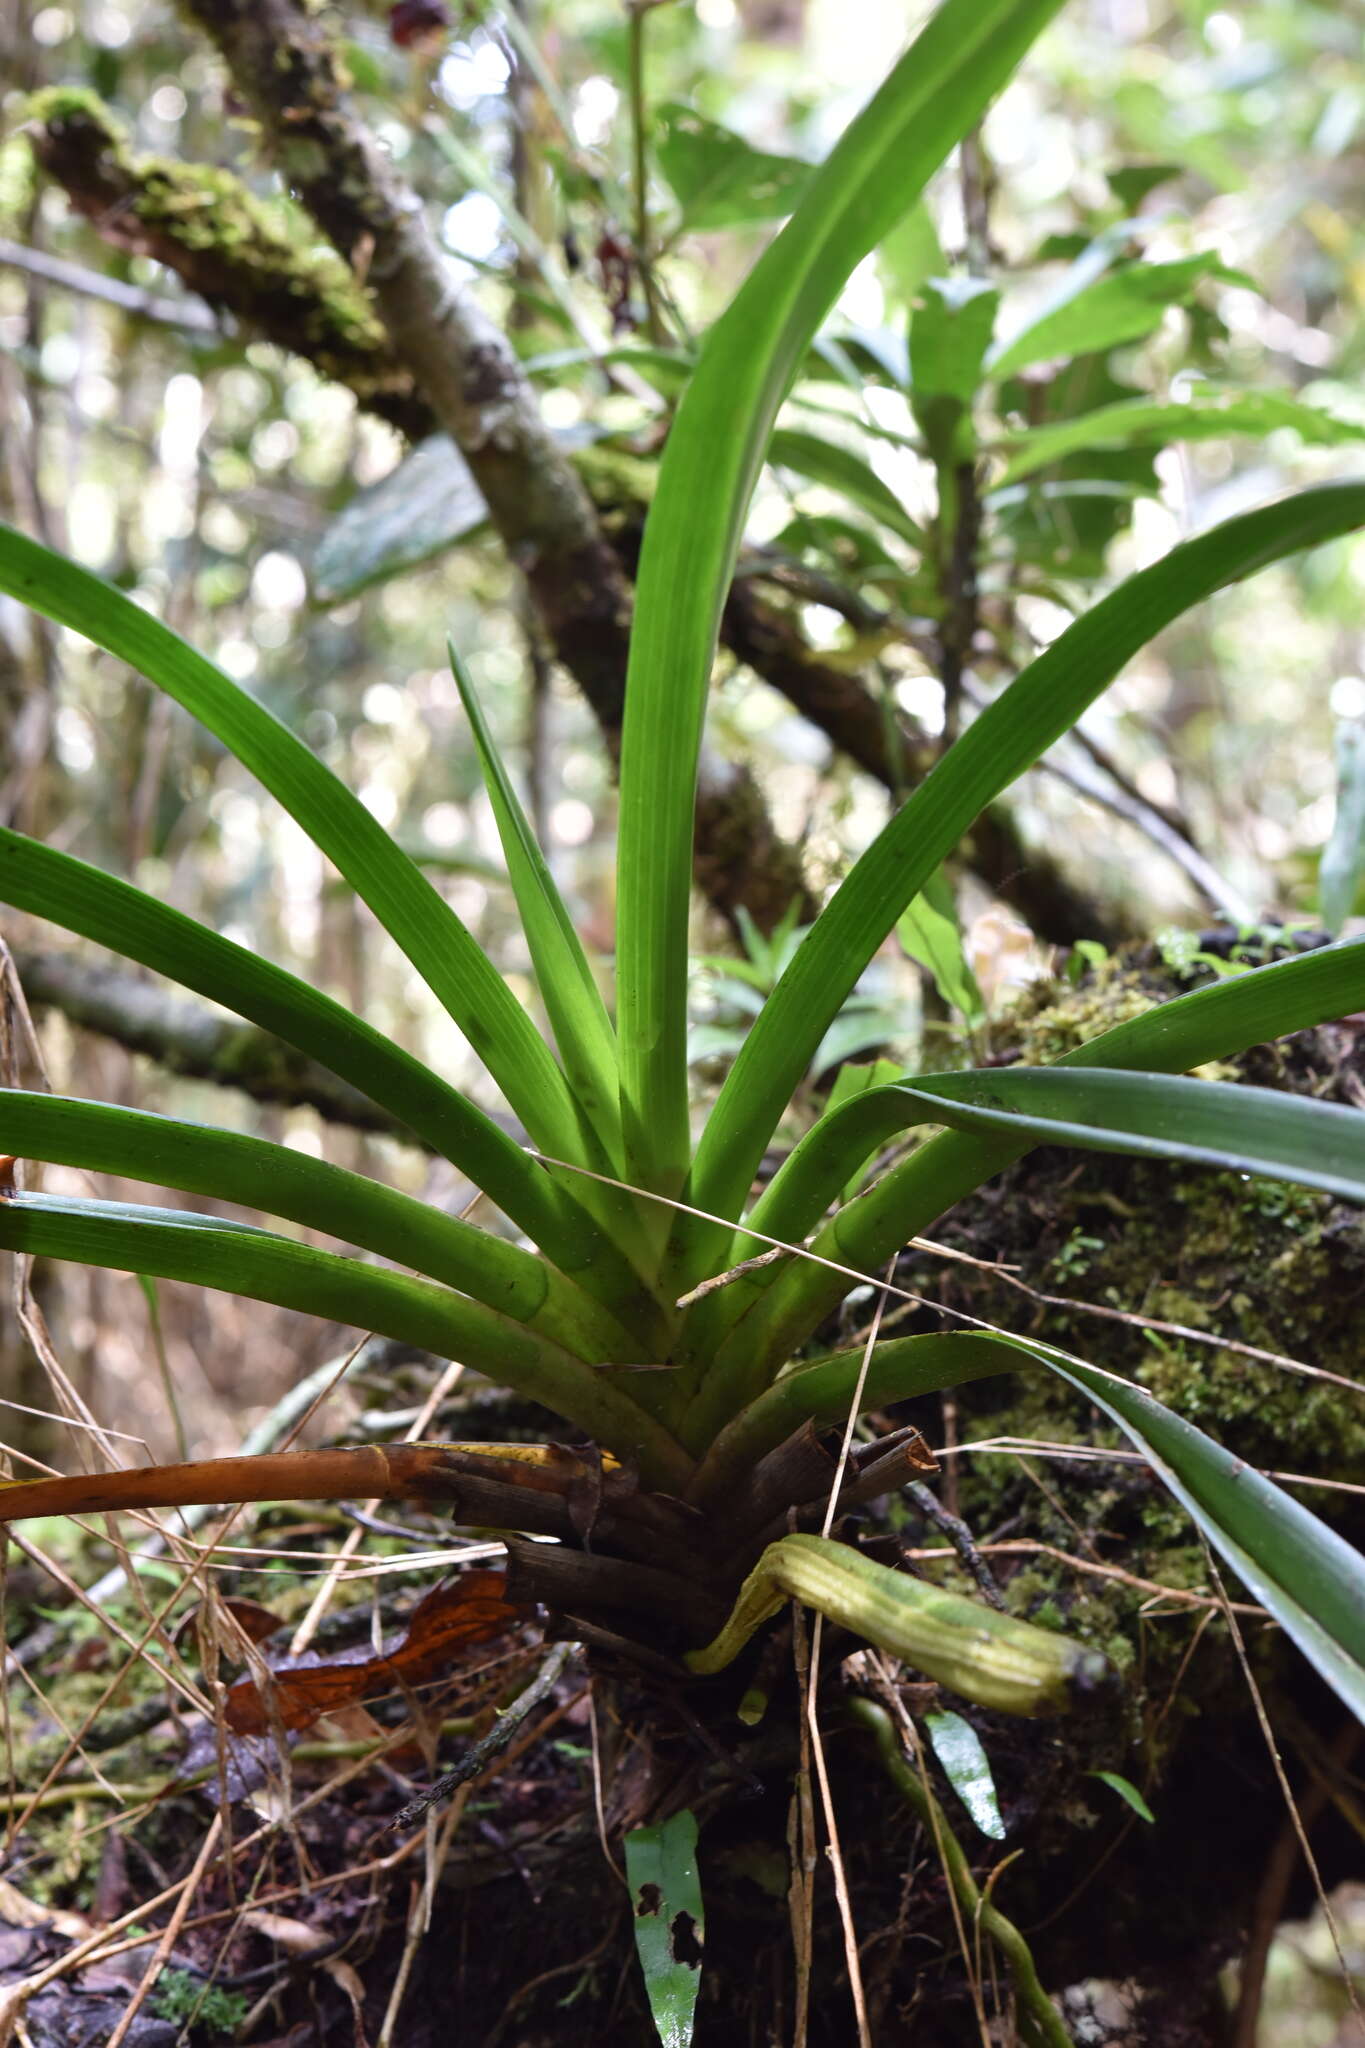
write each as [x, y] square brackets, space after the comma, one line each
[719, 1280]
[961, 1538]
[497, 1739]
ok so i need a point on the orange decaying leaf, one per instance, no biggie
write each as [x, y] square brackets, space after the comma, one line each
[448, 1622]
[420, 1471]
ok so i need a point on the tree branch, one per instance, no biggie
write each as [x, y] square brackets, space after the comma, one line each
[192, 1039]
[875, 735]
[284, 66]
[252, 260]
[93, 284]
[246, 259]
[412, 345]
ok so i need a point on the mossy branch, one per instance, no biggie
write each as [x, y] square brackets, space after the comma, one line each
[284, 65]
[457, 370]
[259, 261]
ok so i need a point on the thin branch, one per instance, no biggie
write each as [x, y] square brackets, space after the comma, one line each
[477, 1759]
[193, 1039]
[718, 1280]
[284, 65]
[639, 121]
[1218, 894]
[961, 1538]
[877, 736]
[92, 284]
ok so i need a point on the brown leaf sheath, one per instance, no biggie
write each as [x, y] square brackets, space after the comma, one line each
[421, 1471]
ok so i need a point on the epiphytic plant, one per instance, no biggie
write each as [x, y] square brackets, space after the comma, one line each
[622, 1218]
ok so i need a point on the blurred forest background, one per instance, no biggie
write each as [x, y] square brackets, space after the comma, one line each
[600, 178]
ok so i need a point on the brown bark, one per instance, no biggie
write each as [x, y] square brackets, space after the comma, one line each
[284, 65]
[769, 640]
[225, 244]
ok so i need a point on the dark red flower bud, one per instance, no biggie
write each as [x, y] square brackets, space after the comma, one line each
[419, 24]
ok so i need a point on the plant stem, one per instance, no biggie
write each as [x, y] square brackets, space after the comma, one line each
[640, 167]
[1040, 2021]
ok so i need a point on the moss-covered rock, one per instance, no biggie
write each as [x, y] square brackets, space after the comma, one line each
[1098, 1249]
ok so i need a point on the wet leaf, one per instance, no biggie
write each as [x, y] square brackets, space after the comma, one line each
[958, 1748]
[440, 1630]
[665, 1892]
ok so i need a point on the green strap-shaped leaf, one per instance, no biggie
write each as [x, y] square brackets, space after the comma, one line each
[840, 468]
[571, 996]
[1037, 708]
[710, 465]
[669, 1921]
[84, 899]
[1151, 1116]
[454, 967]
[1305, 1575]
[1124, 306]
[204, 1160]
[173, 1245]
[773, 1312]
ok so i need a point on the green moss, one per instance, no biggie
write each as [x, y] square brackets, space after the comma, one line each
[1251, 1259]
[251, 248]
[16, 182]
[1050, 1018]
[617, 479]
[58, 103]
[1259, 1262]
[179, 1996]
